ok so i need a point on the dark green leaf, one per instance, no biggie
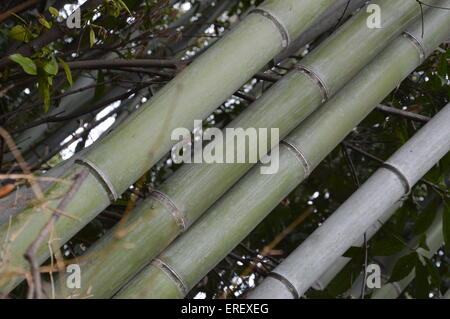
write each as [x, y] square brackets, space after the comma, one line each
[433, 272]
[446, 224]
[403, 267]
[422, 286]
[51, 67]
[387, 247]
[426, 217]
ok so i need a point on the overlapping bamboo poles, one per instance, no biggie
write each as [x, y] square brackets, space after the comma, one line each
[152, 226]
[193, 254]
[335, 14]
[128, 152]
[383, 189]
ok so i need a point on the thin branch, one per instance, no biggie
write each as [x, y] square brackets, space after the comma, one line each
[408, 115]
[30, 253]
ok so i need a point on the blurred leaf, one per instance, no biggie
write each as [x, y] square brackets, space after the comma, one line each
[433, 272]
[51, 67]
[342, 282]
[354, 252]
[423, 242]
[91, 37]
[54, 12]
[446, 224]
[66, 70]
[20, 33]
[45, 23]
[442, 65]
[422, 286]
[44, 90]
[403, 267]
[387, 247]
[426, 217]
[26, 63]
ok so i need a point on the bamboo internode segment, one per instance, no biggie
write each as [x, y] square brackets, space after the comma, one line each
[339, 263]
[225, 225]
[130, 150]
[295, 97]
[362, 209]
[242, 52]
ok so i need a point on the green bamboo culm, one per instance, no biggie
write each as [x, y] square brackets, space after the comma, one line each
[152, 225]
[128, 152]
[197, 251]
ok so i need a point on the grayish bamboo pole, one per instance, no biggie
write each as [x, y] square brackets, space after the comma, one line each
[153, 226]
[340, 262]
[383, 189]
[129, 151]
[192, 255]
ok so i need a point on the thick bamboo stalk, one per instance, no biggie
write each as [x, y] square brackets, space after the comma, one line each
[340, 263]
[129, 151]
[225, 224]
[434, 240]
[197, 91]
[340, 10]
[296, 96]
[383, 189]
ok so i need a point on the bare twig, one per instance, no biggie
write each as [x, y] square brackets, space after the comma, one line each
[30, 253]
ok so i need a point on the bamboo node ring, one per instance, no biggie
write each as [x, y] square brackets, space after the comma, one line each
[299, 155]
[400, 176]
[169, 271]
[286, 283]
[285, 37]
[418, 44]
[316, 79]
[104, 179]
[178, 216]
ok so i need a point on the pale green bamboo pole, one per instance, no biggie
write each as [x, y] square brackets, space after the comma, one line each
[434, 240]
[382, 190]
[225, 224]
[128, 152]
[296, 96]
[329, 19]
